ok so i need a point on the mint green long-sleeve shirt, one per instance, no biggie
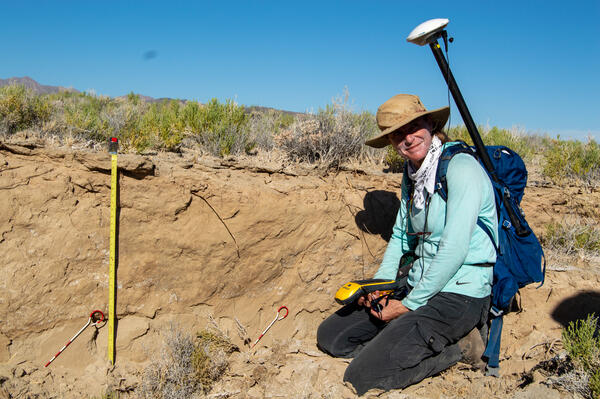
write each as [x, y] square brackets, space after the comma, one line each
[447, 256]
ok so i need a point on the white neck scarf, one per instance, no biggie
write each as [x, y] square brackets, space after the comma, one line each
[424, 177]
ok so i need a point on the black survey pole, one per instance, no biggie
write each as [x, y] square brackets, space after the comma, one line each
[471, 128]
[462, 106]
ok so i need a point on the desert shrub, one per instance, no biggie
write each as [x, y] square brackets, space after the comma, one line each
[285, 120]
[84, 114]
[20, 109]
[594, 384]
[526, 145]
[219, 127]
[171, 374]
[210, 357]
[125, 122]
[581, 343]
[263, 126]
[161, 126]
[583, 346]
[332, 135]
[572, 160]
[186, 367]
[91, 117]
[393, 160]
[573, 236]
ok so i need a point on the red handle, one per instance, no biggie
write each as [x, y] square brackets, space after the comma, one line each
[286, 312]
[95, 312]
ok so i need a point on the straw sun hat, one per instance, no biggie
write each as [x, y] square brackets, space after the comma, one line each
[399, 111]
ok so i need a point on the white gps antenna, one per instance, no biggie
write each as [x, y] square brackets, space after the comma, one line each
[428, 29]
[428, 33]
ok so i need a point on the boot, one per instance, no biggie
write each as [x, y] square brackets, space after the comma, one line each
[472, 348]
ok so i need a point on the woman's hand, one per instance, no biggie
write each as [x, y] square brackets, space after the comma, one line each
[365, 301]
[389, 308]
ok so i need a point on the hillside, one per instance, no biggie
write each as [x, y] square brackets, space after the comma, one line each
[34, 86]
[223, 243]
[41, 89]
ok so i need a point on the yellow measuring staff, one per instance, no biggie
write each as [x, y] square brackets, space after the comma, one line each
[113, 148]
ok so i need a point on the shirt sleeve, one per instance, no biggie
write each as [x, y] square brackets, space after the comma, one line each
[465, 196]
[399, 243]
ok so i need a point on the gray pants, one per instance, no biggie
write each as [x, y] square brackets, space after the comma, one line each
[406, 350]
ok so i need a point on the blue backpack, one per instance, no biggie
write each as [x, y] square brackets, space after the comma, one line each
[519, 255]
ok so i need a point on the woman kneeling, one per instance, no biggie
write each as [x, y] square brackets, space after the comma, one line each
[401, 342]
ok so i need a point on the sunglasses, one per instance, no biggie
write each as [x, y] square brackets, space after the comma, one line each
[400, 134]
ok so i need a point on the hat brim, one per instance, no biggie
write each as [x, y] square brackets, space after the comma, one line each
[438, 116]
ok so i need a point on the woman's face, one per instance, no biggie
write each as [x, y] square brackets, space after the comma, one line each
[413, 140]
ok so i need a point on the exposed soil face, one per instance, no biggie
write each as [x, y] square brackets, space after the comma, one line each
[229, 240]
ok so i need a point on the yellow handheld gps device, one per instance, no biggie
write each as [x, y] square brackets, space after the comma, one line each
[350, 292]
[353, 290]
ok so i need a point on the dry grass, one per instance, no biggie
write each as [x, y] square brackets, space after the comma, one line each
[578, 237]
[210, 357]
[568, 161]
[331, 136]
[186, 367]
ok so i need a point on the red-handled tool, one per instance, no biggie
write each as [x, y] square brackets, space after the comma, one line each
[277, 318]
[95, 313]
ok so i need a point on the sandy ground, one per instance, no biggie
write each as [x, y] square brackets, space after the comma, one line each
[224, 243]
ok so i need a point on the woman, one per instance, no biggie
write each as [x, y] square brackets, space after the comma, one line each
[449, 286]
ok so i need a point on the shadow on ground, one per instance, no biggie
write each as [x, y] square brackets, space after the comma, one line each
[577, 307]
[379, 214]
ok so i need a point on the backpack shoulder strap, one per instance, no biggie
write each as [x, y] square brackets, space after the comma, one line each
[409, 183]
[441, 184]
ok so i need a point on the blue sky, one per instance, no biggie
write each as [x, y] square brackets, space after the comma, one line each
[531, 64]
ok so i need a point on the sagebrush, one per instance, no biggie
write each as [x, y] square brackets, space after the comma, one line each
[20, 109]
[582, 343]
[572, 236]
[573, 160]
[331, 136]
[526, 145]
[186, 366]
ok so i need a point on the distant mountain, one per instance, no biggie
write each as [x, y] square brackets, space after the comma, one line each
[257, 108]
[44, 89]
[34, 86]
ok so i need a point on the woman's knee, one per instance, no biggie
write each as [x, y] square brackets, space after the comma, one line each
[323, 336]
[363, 376]
[328, 338]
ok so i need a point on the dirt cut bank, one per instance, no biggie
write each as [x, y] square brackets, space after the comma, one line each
[222, 242]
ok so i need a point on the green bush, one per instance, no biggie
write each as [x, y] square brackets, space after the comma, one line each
[572, 236]
[332, 135]
[85, 115]
[572, 160]
[393, 160]
[525, 145]
[222, 128]
[583, 345]
[21, 109]
[594, 384]
[160, 127]
[218, 127]
[580, 342]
